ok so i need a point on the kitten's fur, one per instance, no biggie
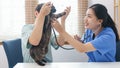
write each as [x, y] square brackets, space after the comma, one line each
[38, 52]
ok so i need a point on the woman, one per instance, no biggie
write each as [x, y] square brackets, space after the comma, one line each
[34, 34]
[99, 40]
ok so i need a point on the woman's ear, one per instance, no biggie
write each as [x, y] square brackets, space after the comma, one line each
[36, 13]
[100, 21]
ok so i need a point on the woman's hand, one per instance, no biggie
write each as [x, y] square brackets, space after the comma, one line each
[67, 10]
[57, 25]
[77, 37]
[46, 8]
[60, 28]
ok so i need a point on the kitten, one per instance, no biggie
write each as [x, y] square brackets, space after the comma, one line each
[38, 52]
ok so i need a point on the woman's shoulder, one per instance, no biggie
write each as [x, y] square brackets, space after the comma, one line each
[28, 27]
[108, 31]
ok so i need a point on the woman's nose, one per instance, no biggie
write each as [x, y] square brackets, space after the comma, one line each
[85, 19]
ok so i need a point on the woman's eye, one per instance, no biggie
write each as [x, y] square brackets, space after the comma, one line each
[89, 16]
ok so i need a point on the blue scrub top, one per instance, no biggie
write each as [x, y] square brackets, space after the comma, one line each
[105, 44]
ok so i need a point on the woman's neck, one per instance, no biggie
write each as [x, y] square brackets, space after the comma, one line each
[97, 31]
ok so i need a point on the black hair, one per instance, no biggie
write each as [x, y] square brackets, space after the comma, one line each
[101, 13]
[53, 10]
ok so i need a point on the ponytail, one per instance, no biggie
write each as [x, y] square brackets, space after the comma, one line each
[110, 23]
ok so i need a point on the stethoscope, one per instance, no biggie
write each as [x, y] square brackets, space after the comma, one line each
[85, 37]
[58, 43]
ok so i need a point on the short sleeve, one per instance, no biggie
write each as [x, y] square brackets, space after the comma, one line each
[104, 43]
[26, 31]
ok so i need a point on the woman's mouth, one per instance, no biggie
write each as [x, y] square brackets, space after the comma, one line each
[86, 25]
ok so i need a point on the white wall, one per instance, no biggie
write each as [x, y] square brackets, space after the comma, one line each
[108, 3]
[62, 55]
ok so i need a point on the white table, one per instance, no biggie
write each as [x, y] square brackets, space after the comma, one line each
[70, 65]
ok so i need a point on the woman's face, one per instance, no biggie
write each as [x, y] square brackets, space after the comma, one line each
[91, 21]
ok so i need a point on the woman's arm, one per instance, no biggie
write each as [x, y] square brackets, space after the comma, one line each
[36, 34]
[60, 38]
[75, 43]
